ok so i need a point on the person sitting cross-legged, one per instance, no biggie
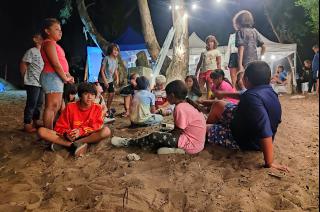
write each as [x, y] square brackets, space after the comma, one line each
[80, 124]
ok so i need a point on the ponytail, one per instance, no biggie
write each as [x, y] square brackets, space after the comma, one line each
[196, 105]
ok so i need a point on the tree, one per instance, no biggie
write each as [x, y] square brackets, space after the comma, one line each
[311, 8]
[148, 30]
[180, 58]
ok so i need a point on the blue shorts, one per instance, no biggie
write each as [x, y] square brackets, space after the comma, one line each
[51, 83]
[220, 133]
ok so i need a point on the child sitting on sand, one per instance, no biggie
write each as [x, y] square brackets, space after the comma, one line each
[190, 127]
[221, 84]
[143, 109]
[69, 95]
[251, 125]
[162, 105]
[100, 99]
[194, 92]
[127, 93]
[80, 124]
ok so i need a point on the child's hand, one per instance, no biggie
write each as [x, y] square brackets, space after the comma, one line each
[279, 167]
[219, 95]
[74, 134]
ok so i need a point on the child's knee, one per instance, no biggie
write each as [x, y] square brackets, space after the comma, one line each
[105, 132]
[42, 132]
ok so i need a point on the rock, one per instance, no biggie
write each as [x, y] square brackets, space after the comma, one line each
[133, 157]
[69, 189]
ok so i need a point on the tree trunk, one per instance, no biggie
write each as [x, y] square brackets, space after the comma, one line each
[180, 59]
[99, 40]
[87, 22]
[148, 30]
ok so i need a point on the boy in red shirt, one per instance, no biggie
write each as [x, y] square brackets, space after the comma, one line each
[80, 123]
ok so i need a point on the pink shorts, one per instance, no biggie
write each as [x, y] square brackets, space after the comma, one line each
[205, 76]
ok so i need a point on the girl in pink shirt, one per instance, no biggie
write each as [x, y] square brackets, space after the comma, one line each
[189, 133]
[222, 84]
[55, 72]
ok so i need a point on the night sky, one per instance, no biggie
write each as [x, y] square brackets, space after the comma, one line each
[20, 19]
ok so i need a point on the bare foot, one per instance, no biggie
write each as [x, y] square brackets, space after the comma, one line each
[29, 128]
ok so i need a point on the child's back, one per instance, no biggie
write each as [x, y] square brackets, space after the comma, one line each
[193, 124]
[141, 106]
[257, 117]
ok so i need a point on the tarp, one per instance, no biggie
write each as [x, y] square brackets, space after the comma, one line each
[275, 51]
[130, 44]
[5, 86]
[130, 40]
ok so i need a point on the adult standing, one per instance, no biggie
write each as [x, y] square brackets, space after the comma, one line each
[315, 65]
[55, 72]
[31, 67]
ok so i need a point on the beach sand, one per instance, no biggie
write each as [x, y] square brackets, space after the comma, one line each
[35, 179]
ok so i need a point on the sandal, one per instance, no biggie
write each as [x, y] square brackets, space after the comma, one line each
[80, 149]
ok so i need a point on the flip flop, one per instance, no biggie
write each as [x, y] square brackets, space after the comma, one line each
[81, 149]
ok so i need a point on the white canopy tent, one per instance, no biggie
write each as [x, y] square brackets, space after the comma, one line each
[275, 52]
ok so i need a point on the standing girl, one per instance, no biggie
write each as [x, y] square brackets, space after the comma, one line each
[31, 67]
[232, 57]
[109, 74]
[55, 72]
[193, 87]
[247, 39]
[210, 60]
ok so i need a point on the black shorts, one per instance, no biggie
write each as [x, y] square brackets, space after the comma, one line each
[110, 89]
[127, 91]
[233, 61]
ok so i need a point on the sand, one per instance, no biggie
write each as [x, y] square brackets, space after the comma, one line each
[35, 179]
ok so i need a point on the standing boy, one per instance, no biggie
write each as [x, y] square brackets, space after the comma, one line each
[31, 67]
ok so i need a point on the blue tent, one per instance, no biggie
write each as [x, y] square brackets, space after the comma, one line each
[130, 44]
[131, 40]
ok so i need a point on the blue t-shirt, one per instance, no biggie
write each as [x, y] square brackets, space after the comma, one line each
[257, 116]
[315, 66]
[141, 105]
[283, 75]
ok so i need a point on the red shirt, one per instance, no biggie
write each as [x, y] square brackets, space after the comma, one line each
[73, 117]
[61, 57]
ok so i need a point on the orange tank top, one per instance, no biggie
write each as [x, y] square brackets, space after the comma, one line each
[48, 68]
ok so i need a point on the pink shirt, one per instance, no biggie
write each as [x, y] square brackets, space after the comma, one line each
[61, 56]
[225, 87]
[193, 124]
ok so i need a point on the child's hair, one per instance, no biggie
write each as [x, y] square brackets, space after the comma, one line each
[240, 75]
[179, 89]
[142, 83]
[315, 46]
[133, 76]
[281, 67]
[219, 73]
[111, 47]
[46, 24]
[85, 87]
[212, 38]
[308, 62]
[258, 73]
[243, 19]
[161, 80]
[195, 86]
[69, 89]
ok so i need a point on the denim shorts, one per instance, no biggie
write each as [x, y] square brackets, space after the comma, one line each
[51, 83]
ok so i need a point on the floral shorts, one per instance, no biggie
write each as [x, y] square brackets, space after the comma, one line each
[220, 133]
